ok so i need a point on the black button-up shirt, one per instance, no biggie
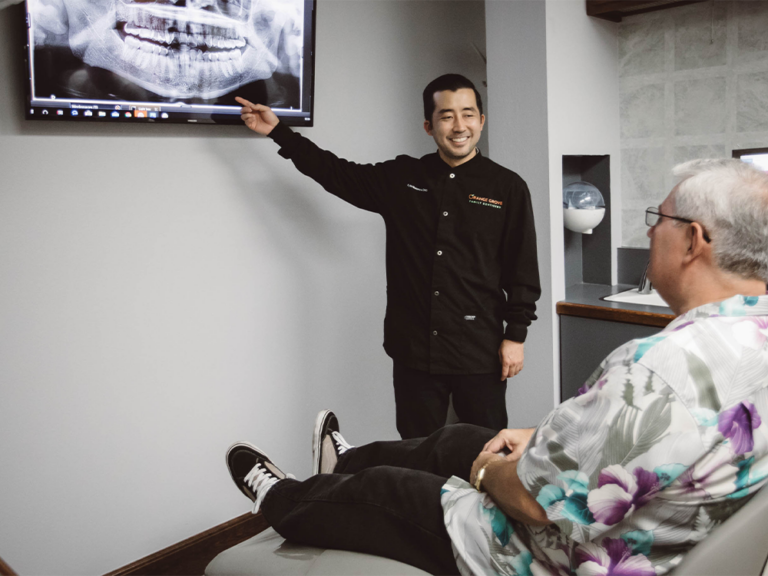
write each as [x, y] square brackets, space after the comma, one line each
[458, 239]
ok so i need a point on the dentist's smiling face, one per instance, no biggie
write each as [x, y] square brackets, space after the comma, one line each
[456, 125]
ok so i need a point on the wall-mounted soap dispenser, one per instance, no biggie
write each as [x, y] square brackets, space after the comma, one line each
[583, 207]
[587, 255]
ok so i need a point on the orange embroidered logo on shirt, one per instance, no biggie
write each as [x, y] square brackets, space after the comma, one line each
[490, 202]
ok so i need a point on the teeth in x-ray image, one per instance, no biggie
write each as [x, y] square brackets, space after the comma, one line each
[201, 39]
[178, 49]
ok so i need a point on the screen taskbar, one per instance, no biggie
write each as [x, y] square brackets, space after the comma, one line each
[53, 109]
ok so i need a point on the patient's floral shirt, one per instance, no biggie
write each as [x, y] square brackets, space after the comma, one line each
[667, 439]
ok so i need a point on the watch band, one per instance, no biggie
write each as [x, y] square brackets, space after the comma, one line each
[481, 474]
[479, 478]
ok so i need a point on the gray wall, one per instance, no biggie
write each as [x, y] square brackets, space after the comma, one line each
[517, 131]
[694, 83]
[583, 113]
[168, 290]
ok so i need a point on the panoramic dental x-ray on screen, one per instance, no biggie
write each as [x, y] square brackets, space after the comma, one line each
[169, 59]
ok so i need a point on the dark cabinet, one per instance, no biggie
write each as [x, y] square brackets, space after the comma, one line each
[585, 342]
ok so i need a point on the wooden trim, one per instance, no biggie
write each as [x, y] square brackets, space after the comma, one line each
[192, 555]
[6, 570]
[614, 314]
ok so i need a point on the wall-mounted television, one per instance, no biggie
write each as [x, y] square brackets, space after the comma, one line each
[169, 60]
[756, 156]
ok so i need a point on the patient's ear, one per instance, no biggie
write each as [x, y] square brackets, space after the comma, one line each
[697, 245]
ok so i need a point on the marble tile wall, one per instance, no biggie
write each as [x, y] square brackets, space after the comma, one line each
[693, 84]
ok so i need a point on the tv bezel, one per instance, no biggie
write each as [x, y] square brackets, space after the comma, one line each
[175, 117]
[748, 152]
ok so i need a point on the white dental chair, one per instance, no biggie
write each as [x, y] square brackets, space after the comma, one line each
[737, 548]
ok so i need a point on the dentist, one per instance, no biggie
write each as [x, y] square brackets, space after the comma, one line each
[462, 269]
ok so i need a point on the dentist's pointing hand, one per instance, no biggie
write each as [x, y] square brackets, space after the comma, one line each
[257, 117]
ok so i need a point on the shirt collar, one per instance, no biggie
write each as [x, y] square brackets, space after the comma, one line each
[736, 306]
[438, 165]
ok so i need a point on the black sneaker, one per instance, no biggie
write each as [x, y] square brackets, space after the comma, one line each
[327, 443]
[253, 472]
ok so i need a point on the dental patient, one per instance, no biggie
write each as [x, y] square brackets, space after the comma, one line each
[665, 441]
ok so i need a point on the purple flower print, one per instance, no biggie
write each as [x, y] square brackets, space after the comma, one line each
[647, 485]
[598, 386]
[710, 476]
[612, 557]
[736, 423]
[683, 325]
[751, 331]
[619, 493]
[691, 486]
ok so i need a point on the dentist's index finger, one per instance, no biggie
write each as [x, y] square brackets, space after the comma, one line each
[246, 103]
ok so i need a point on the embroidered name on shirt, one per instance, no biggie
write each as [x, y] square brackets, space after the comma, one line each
[469, 317]
[419, 189]
[490, 202]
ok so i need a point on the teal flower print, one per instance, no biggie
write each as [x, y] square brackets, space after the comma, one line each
[640, 541]
[733, 306]
[645, 344]
[521, 563]
[668, 473]
[745, 478]
[704, 416]
[574, 497]
[500, 524]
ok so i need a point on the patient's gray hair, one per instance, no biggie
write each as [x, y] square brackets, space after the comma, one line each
[729, 198]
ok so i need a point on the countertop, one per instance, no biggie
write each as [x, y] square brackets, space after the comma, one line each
[584, 300]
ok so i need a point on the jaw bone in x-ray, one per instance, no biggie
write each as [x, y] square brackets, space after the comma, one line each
[177, 48]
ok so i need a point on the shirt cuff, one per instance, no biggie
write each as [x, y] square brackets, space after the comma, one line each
[515, 332]
[282, 135]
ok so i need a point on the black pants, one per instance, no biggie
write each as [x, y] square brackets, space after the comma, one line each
[383, 499]
[421, 400]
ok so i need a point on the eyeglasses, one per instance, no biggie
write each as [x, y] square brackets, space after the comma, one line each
[653, 217]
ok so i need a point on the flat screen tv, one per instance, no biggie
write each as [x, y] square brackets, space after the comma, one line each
[169, 60]
[756, 156]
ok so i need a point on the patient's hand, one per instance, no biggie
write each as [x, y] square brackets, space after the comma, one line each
[483, 459]
[512, 440]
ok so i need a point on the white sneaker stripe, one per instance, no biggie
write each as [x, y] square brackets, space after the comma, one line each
[341, 444]
[260, 479]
